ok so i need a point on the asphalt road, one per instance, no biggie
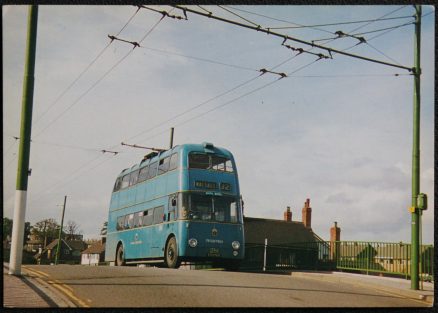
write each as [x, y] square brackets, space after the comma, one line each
[105, 286]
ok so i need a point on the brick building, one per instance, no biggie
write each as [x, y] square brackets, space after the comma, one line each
[290, 244]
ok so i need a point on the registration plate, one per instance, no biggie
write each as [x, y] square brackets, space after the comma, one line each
[213, 252]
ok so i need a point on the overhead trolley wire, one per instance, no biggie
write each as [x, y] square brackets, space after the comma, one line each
[82, 73]
[103, 151]
[383, 16]
[237, 98]
[369, 39]
[343, 23]
[331, 50]
[279, 20]
[235, 14]
[207, 101]
[72, 176]
[99, 80]
[383, 29]
[382, 53]
[200, 59]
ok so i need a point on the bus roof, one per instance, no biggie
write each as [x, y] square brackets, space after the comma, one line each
[204, 147]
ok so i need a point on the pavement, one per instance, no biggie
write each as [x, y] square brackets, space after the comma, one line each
[398, 286]
[30, 291]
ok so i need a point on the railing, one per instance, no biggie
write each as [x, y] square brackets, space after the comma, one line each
[359, 256]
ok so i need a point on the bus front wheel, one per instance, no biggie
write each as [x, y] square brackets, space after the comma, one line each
[120, 261]
[171, 259]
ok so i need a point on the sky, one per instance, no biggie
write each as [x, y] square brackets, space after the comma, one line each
[337, 131]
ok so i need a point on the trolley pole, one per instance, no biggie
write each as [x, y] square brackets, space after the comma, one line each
[415, 214]
[60, 232]
[24, 148]
[171, 137]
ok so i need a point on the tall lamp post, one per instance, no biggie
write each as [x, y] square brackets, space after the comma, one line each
[16, 257]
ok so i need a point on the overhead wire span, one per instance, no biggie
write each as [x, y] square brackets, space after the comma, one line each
[98, 81]
[331, 50]
[65, 146]
[351, 75]
[209, 12]
[382, 53]
[200, 59]
[166, 14]
[81, 74]
[341, 34]
[383, 16]
[301, 50]
[264, 71]
[343, 23]
[235, 14]
[276, 19]
[383, 29]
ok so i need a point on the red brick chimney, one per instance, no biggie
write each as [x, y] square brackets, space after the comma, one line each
[335, 235]
[288, 215]
[307, 214]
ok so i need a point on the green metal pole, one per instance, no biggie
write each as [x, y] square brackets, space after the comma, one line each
[24, 148]
[60, 232]
[416, 154]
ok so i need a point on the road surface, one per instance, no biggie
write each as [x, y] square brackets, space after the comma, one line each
[107, 286]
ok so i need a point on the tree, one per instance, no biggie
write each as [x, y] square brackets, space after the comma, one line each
[71, 230]
[7, 229]
[46, 230]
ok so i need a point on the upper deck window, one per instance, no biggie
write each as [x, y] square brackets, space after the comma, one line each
[163, 166]
[143, 173]
[152, 170]
[133, 178]
[173, 161]
[125, 181]
[210, 162]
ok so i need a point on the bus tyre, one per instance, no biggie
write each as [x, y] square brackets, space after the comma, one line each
[171, 259]
[120, 261]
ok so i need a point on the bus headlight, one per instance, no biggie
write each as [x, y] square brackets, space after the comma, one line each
[193, 242]
[235, 245]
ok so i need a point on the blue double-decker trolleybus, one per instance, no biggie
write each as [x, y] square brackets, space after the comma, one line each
[178, 205]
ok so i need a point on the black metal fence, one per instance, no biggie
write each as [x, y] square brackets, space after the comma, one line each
[358, 256]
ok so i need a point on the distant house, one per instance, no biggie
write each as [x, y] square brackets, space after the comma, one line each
[34, 243]
[94, 254]
[290, 244]
[70, 252]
